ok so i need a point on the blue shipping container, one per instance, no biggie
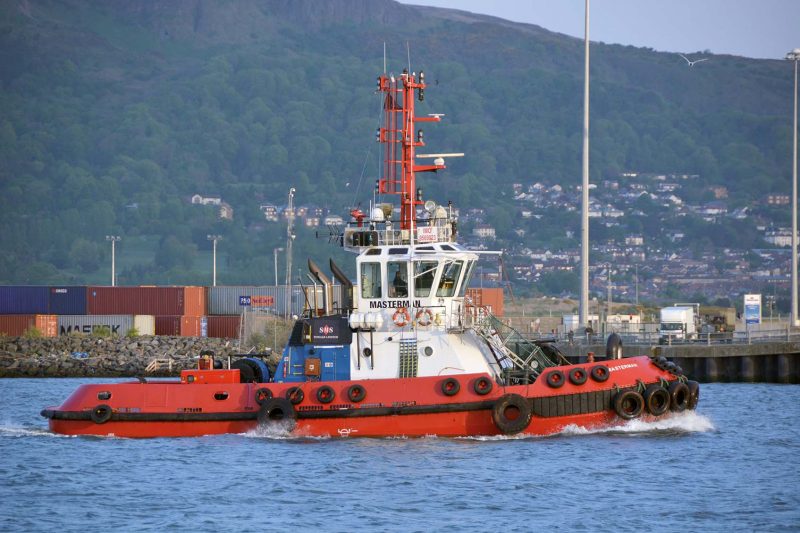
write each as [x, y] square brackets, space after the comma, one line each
[24, 300]
[68, 301]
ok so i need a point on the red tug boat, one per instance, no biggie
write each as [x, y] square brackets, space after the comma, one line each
[406, 354]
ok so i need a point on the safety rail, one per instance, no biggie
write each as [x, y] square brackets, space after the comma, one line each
[426, 232]
[518, 357]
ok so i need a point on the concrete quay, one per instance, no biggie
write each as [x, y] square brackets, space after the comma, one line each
[768, 362]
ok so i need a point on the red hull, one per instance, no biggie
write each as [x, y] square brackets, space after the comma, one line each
[211, 403]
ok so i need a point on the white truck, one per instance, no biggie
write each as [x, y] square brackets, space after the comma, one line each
[678, 323]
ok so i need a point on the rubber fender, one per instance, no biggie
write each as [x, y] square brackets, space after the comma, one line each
[628, 404]
[511, 413]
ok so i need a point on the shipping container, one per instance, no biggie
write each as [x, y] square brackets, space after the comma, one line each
[194, 301]
[488, 297]
[24, 300]
[118, 325]
[67, 301]
[234, 300]
[145, 324]
[223, 327]
[160, 301]
[181, 326]
[17, 325]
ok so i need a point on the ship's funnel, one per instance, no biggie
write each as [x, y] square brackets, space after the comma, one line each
[347, 287]
[325, 281]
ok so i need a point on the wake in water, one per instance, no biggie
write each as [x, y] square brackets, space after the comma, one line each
[12, 431]
[686, 422]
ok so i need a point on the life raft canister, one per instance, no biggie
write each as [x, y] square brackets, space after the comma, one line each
[401, 317]
[511, 413]
[424, 317]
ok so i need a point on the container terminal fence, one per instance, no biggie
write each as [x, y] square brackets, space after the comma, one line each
[647, 332]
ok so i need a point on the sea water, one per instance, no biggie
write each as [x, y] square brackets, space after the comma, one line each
[732, 465]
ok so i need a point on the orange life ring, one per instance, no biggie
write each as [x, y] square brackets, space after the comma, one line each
[401, 317]
[421, 317]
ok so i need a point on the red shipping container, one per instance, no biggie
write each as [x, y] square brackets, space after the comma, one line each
[180, 326]
[194, 301]
[223, 327]
[489, 297]
[16, 325]
[135, 301]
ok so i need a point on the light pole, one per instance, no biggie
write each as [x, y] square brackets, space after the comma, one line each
[214, 239]
[275, 257]
[584, 303]
[113, 239]
[794, 55]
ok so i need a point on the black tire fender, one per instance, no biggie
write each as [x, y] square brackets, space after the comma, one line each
[277, 411]
[483, 386]
[356, 393]
[511, 413]
[325, 394]
[600, 373]
[450, 386]
[679, 396]
[295, 395]
[694, 394]
[628, 404]
[656, 399]
[555, 378]
[102, 413]
[262, 395]
[578, 376]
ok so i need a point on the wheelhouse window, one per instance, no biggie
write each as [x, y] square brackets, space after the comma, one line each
[467, 278]
[424, 274]
[371, 280]
[447, 285]
[397, 276]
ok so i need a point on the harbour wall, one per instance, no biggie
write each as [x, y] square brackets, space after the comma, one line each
[73, 356]
[767, 362]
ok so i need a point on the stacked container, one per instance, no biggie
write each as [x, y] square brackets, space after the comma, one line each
[17, 325]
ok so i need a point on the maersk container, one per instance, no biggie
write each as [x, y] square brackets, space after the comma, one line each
[234, 300]
[118, 325]
[223, 327]
[24, 300]
[17, 325]
[67, 300]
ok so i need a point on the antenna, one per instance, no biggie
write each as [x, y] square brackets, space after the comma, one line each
[384, 57]
[408, 51]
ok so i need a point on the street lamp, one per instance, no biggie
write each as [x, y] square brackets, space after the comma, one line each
[794, 55]
[214, 239]
[584, 298]
[113, 239]
[275, 257]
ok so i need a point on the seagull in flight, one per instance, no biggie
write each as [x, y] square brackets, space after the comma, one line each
[691, 63]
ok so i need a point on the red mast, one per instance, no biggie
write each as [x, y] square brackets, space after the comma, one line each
[399, 135]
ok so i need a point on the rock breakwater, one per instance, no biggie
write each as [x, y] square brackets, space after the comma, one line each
[69, 356]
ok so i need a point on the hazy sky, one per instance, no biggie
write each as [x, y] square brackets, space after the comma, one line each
[752, 28]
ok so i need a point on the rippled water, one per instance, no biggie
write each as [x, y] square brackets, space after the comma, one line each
[730, 466]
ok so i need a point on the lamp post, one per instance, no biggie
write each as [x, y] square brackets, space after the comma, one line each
[113, 239]
[214, 239]
[275, 257]
[584, 298]
[794, 55]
